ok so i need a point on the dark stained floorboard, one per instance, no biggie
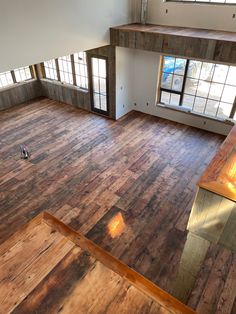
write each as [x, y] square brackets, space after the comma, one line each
[129, 185]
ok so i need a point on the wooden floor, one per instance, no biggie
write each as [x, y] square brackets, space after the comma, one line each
[48, 268]
[127, 185]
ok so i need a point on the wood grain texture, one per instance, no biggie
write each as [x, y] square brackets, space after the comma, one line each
[19, 93]
[213, 218]
[195, 43]
[87, 170]
[29, 257]
[43, 254]
[220, 175]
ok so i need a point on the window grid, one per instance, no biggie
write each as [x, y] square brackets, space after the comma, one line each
[65, 69]
[213, 95]
[71, 69]
[6, 79]
[99, 80]
[81, 72]
[50, 70]
[23, 74]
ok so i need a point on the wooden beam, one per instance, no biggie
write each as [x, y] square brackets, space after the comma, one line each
[217, 46]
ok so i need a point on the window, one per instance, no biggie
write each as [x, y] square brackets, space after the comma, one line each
[202, 87]
[65, 70]
[71, 69]
[23, 74]
[205, 1]
[16, 76]
[6, 79]
[81, 72]
[50, 70]
[99, 84]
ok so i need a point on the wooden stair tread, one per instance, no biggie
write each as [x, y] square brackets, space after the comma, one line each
[46, 267]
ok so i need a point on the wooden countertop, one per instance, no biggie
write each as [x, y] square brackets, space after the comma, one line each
[179, 31]
[220, 175]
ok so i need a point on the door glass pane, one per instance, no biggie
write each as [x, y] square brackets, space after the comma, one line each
[99, 78]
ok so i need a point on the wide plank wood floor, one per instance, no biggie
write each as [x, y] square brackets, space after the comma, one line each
[127, 185]
[43, 271]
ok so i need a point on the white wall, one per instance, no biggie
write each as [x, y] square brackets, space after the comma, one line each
[124, 81]
[190, 15]
[32, 31]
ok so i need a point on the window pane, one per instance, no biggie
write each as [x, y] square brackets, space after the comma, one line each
[220, 73]
[81, 72]
[203, 89]
[22, 74]
[50, 69]
[188, 101]
[65, 69]
[96, 98]
[165, 98]
[177, 83]
[6, 79]
[102, 68]
[212, 107]
[229, 94]
[199, 105]
[104, 103]
[207, 71]
[174, 99]
[180, 65]
[231, 78]
[194, 69]
[191, 86]
[169, 64]
[224, 110]
[216, 91]
[166, 80]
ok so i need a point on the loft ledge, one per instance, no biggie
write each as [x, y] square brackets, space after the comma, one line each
[179, 31]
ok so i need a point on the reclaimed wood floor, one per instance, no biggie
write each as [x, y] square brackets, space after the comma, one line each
[127, 185]
[48, 268]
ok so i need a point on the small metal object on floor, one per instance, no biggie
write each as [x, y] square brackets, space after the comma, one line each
[25, 154]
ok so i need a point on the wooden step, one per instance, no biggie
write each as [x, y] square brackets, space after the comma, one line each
[46, 267]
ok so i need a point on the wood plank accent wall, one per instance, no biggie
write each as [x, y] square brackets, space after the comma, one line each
[68, 94]
[177, 41]
[19, 93]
